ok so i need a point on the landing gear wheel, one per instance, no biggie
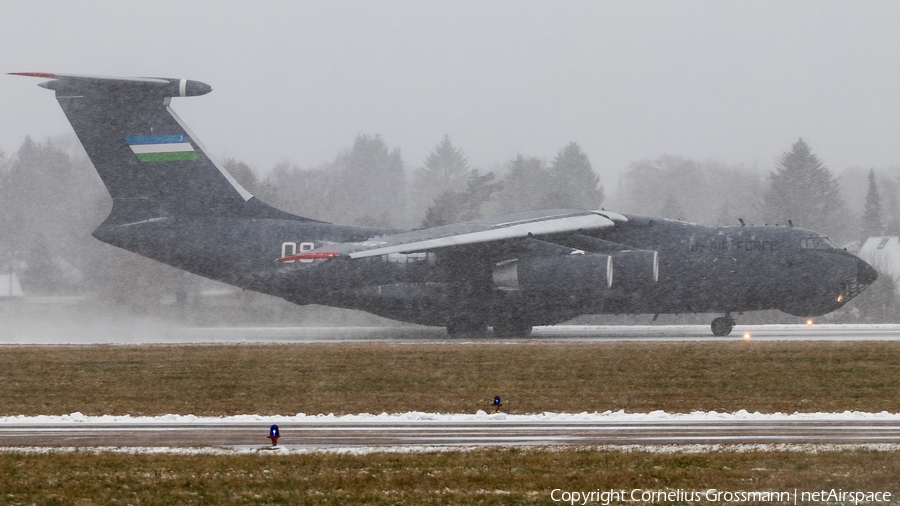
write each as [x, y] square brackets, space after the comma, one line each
[722, 326]
[512, 330]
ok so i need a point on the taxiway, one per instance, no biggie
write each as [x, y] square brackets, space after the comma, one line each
[341, 434]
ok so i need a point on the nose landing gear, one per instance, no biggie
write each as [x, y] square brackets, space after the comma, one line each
[722, 325]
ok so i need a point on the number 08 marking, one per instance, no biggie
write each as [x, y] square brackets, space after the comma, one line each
[290, 248]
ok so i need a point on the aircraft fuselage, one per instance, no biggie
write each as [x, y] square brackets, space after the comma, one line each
[700, 269]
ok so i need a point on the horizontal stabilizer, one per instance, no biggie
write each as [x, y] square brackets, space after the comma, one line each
[165, 87]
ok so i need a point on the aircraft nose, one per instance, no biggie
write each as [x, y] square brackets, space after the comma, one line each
[865, 273]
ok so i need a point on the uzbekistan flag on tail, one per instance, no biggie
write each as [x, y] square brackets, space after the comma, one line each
[161, 148]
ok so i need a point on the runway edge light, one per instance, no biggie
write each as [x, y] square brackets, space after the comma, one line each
[274, 434]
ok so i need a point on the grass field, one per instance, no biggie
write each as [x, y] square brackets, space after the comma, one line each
[451, 377]
[457, 378]
[486, 476]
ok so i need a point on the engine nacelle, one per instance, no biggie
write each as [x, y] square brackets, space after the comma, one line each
[578, 273]
[635, 268]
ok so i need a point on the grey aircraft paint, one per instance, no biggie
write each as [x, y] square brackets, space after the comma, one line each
[172, 203]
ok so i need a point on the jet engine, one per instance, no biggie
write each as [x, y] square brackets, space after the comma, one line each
[635, 268]
[575, 273]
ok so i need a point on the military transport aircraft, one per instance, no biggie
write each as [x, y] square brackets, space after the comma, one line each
[173, 203]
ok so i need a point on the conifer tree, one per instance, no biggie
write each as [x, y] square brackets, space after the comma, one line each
[525, 186]
[803, 190]
[574, 183]
[371, 183]
[446, 168]
[872, 222]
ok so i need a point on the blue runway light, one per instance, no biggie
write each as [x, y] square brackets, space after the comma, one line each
[274, 434]
[497, 400]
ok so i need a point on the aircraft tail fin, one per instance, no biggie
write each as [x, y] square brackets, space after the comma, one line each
[151, 163]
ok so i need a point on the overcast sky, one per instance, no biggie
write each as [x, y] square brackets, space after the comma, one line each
[734, 81]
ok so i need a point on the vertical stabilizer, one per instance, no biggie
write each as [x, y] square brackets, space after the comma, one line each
[151, 163]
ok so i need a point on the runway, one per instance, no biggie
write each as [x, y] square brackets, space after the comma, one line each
[576, 333]
[50, 332]
[481, 433]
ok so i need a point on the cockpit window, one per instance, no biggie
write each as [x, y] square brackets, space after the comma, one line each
[818, 242]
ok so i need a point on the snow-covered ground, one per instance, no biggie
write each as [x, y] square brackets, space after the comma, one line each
[363, 450]
[479, 416]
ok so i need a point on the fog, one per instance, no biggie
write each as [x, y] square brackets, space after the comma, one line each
[297, 81]
[682, 109]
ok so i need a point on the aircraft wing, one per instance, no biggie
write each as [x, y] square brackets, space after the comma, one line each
[514, 226]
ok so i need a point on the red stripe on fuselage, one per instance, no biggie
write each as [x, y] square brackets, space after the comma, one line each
[310, 255]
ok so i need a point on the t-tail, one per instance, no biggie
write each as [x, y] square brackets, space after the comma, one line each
[151, 163]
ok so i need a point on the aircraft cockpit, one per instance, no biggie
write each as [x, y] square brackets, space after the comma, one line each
[818, 242]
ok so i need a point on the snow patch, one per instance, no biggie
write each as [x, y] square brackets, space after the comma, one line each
[365, 450]
[418, 416]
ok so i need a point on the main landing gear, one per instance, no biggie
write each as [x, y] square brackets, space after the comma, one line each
[722, 325]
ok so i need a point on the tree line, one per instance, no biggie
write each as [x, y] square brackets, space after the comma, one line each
[369, 184]
[51, 199]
